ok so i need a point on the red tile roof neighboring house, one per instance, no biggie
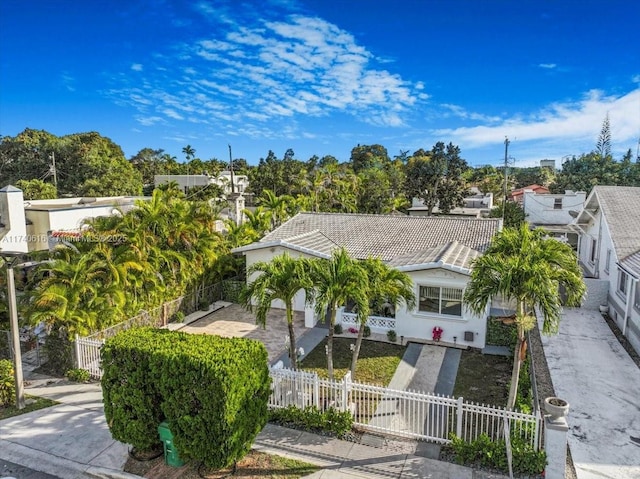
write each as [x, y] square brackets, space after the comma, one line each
[517, 195]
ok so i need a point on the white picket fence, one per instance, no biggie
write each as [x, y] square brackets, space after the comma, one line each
[88, 355]
[402, 413]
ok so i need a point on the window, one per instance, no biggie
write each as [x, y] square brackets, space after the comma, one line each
[636, 301]
[606, 265]
[434, 299]
[557, 203]
[622, 283]
[594, 247]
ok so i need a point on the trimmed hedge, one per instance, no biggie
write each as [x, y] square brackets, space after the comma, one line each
[7, 382]
[213, 391]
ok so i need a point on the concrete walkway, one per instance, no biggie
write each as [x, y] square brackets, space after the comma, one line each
[597, 377]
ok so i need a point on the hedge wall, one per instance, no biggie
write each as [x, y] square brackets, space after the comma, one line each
[212, 390]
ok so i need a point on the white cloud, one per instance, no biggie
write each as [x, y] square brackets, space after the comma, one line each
[137, 67]
[280, 69]
[547, 66]
[561, 129]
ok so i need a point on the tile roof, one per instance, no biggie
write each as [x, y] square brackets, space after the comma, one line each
[454, 255]
[382, 236]
[621, 208]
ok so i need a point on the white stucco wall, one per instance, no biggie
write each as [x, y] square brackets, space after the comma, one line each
[539, 209]
[415, 324]
[267, 254]
[13, 232]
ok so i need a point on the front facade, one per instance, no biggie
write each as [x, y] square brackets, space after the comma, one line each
[609, 249]
[435, 252]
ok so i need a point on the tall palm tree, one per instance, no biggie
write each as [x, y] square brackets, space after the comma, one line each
[337, 281]
[386, 284]
[279, 279]
[189, 152]
[528, 267]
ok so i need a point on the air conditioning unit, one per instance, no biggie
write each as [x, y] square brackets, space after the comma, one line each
[468, 336]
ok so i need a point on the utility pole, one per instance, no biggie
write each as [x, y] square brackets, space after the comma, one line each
[233, 188]
[53, 170]
[506, 174]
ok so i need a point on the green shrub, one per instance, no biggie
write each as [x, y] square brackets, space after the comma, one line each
[392, 336]
[337, 329]
[484, 452]
[7, 383]
[367, 331]
[178, 317]
[78, 375]
[312, 419]
[213, 391]
[500, 334]
[204, 305]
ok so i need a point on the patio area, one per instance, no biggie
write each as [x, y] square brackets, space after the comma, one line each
[235, 321]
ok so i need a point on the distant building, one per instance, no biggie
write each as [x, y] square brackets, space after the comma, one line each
[518, 194]
[476, 205]
[185, 182]
[548, 164]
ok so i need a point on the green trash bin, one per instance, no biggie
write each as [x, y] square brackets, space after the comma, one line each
[171, 457]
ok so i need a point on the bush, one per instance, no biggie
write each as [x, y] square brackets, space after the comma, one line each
[337, 329]
[392, 336]
[78, 375]
[367, 331]
[312, 419]
[493, 454]
[7, 383]
[178, 317]
[500, 334]
[204, 305]
[213, 391]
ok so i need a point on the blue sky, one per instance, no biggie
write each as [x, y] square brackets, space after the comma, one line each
[322, 76]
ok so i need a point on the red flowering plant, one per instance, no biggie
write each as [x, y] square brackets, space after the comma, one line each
[437, 333]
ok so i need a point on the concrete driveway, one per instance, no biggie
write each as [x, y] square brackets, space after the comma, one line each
[594, 373]
[235, 321]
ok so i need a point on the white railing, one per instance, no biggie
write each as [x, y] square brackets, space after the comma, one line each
[374, 322]
[88, 355]
[402, 413]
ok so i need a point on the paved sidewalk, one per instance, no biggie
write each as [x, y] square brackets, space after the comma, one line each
[592, 371]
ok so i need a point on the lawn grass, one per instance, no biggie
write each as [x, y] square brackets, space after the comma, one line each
[483, 378]
[376, 364]
[255, 465]
[33, 405]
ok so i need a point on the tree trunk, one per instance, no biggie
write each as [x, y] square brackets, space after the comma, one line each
[517, 361]
[292, 340]
[332, 322]
[356, 351]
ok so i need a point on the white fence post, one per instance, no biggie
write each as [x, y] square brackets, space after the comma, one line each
[316, 391]
[345, 390]
[459, 416]
[76, 345]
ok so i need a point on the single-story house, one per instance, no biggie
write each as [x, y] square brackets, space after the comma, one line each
[436, 252]
[609, 249]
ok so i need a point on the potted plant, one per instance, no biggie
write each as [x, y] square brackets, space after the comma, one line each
[604, 308]
[557, 408]
[437, 333]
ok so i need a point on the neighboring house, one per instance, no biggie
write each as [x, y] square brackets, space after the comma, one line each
[518, 194]
[436, 252]
[609, 249]
[37, 225]
[554, 212]
[476, 205]
[185, 182]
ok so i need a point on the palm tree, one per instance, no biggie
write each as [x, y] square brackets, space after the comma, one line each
[279, 279]
[189, 152]
[388, 285]
[337, 281]
[528, 267]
